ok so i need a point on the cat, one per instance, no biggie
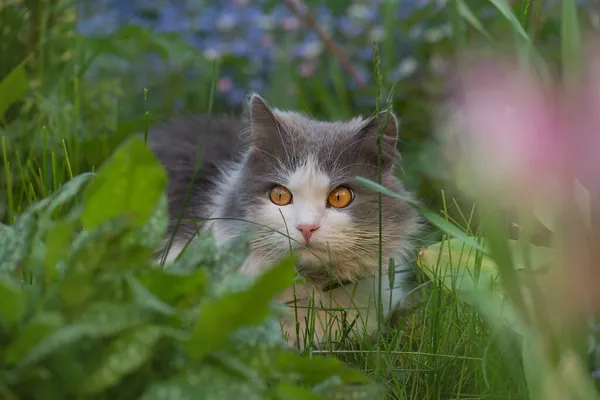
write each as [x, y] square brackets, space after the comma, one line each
[294, 177]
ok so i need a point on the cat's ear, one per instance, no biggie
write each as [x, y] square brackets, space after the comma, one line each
[262, 120]
[387, 122]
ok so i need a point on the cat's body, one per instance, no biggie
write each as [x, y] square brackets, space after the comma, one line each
[295, 176]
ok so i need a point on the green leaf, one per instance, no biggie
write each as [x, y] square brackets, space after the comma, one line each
[570, 42]
[125, 355]
[98, 320]
[152, 232]
[58, 240]
[13, 301]
[435, 219]
[130, 184]
[15, 241]
[285, 391]
[38, 328]
[13, 88]
[146, 299]
[175, 287]
[210, 382]
[220, 317]
[311, 370]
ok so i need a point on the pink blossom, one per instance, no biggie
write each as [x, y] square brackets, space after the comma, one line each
[290, 23]
[510, 132]
[306, 69]
[224, 85]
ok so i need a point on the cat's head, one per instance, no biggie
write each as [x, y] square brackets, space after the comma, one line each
[299, 181]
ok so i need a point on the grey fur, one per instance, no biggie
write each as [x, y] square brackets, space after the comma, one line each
[243, 158]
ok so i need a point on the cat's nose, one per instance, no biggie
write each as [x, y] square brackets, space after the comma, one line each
[307, 230]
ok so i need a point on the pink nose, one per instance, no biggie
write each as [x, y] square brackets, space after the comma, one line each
[307, 230]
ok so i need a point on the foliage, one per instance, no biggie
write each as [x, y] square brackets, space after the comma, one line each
[85, 311]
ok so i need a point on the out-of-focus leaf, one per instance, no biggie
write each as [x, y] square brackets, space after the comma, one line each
[13, 300]
[130, 185]
[99, 320]
[152, 232]
[13, 87]
[174, 287]
[38, 328]
[310, 370]
[220, 317]
[146, 299]
[58, 240]
[125, 355]
[288, 392]
[209, 382]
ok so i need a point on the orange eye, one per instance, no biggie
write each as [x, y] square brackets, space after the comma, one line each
[280, 195]
[339, 197]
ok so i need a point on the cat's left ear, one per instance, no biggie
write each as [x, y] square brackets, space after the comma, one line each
[388, 123]
[263, 121]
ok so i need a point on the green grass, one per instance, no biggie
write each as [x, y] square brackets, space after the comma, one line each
[442, 347]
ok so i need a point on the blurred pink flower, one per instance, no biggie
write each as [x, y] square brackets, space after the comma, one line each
[306, 69]
[224, 85]
[512, 139]
[290, 23]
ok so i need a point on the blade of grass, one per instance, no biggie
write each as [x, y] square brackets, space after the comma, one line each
[570, 42]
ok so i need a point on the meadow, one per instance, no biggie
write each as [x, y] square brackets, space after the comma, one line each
[505, 305]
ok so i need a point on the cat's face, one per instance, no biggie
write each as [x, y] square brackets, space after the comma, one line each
[299, 182]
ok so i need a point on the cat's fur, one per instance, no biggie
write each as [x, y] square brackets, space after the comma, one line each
[244, 158]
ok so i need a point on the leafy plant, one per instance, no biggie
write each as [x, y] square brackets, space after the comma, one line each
[87, 312]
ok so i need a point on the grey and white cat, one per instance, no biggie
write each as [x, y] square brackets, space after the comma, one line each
[294, 176]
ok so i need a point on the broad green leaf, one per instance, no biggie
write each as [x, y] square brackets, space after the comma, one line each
[38, 328]
[13, 300]
[435, 219]
[58, 240]
[130, 185]
[98, 320]
[13, 88]
[125, 355]
[285, 391]
[15, 241]
[146, 299]
[210, 382]
[67, 192]
[173, 389]
[152, 232]
[289, 366]
[174, 287]
[312, 370]
[10, 253]
[220, 317]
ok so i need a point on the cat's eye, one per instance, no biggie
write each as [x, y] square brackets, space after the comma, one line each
[340, 197]
[280, 195]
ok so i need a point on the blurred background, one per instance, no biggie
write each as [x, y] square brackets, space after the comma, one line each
[98, 70]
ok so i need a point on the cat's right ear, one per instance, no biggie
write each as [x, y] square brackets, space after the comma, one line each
[262, 120]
